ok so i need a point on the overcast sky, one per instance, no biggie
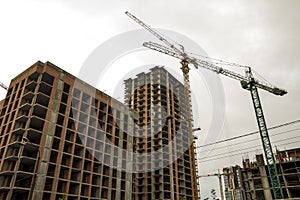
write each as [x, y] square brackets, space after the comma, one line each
[260, 34]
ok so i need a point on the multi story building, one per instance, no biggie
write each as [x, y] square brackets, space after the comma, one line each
[233, 186]
[255, 182]
[289, 166]
[63, 140]
[167, 168]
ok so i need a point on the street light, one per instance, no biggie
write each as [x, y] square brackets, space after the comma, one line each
[169, 117]
[196, 129]
[30, 196]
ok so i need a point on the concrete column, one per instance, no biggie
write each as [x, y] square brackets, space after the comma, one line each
[251, 183]
[265, 182]
[42, 168]
[285, 181]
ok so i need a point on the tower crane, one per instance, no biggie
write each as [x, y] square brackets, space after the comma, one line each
[248, 82]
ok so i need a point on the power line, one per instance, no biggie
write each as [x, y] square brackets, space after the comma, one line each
[279, 133]
[214, 155]
[219, 158]
[248, 134]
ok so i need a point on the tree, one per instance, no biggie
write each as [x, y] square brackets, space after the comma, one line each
[213, 194]
[63, 197]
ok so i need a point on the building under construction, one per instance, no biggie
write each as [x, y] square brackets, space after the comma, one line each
[161, 127]
[233, 183]
[252, 180]
[62, 138]
[52, 146]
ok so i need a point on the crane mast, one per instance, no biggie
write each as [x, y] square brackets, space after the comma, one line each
[263, 130]
[185, 70]
[247, 81]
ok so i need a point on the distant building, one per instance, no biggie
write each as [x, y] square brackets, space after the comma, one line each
[233, 183]
[254, 178]
[289, 168]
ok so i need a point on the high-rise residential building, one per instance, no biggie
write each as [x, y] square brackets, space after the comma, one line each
[166, 169]
[62, 138]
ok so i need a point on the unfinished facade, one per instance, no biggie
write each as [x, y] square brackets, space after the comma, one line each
[52, 147]
[289, 167]
[255, 183]
[159, 100]
[233, 186]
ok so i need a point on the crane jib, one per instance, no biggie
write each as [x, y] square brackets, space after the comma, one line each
[273, 90]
